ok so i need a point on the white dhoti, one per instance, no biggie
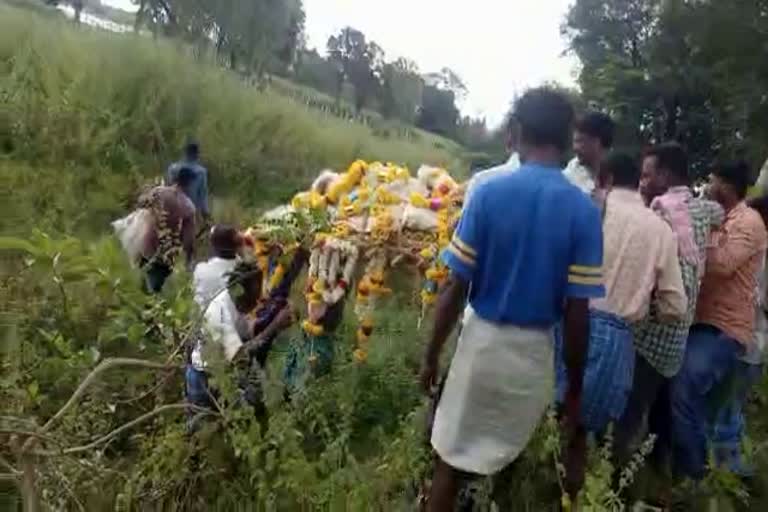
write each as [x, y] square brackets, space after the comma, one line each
[498, 388]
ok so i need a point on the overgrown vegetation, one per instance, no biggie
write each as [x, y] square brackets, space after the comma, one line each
[87, 119]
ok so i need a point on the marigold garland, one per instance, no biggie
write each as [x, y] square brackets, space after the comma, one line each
[375, 207]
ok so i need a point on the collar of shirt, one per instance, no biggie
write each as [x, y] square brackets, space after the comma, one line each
[580, 176]
[625, 195]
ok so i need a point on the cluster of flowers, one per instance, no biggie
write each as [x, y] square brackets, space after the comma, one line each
[378, 213]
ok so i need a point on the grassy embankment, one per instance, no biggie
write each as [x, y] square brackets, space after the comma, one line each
[86, 118]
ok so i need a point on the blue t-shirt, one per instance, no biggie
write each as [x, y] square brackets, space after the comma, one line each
[197, 190]
[527, 241]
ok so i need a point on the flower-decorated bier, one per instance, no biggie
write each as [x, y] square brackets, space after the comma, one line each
[370, 217]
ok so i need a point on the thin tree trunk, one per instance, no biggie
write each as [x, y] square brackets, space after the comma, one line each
[29, 484]
[139, 16]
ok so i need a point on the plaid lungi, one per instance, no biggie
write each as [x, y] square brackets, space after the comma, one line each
[608, 371]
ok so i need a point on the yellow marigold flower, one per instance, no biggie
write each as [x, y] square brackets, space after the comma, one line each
[418, 200]
[427, 253]
[319, 286]
[428, 298]
[300, 200]
[362, 338]
[312, 329]
[316, 201]
[277, 277]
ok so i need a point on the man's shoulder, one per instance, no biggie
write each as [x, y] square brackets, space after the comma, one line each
[655, 224]
[187, 206]
[752, 218]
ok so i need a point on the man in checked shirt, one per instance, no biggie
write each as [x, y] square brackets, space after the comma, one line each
[660, 346]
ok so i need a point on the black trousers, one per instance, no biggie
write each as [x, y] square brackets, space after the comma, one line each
[155, 275]
[650, 396]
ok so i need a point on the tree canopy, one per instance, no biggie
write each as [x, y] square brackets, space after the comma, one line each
[690, 71]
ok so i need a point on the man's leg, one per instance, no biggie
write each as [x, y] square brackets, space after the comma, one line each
[155, 276]
[728, 430]
[709, 357]
[196, 393]
[647, 383]
[446, 482]
[660, 425]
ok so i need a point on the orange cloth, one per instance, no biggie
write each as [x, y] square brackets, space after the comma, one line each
[728, 290]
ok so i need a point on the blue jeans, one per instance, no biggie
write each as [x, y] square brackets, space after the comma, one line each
[709, 358]
[728, 429]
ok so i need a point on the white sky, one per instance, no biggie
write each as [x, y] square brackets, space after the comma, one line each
[499, 47]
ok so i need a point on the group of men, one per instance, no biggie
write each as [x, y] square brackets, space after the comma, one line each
[608, 285]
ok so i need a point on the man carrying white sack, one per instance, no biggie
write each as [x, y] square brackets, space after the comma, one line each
[529, 267]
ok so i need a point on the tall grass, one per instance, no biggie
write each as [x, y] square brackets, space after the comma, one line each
[102, 102]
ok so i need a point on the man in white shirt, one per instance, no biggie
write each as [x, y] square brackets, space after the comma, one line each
[210, 277]
[227, 291]
[592, 140]
[227, 326]
[510, 165]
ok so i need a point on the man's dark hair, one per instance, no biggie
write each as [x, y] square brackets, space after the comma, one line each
[225, 241]
[185, 176]
[545, 117]
[623, 168]
[597, 125]
[736, 174]
[672, 157]
[192, 150]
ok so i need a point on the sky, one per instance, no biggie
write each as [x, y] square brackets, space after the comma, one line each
[498, 47]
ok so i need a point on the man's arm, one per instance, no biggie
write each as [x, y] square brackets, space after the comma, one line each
[585, 281]
[733, 249]
[450, 303]
[188, 239]
[576, 335]
[202, 193]
[670, 291]
[461, 257]
[170, 174]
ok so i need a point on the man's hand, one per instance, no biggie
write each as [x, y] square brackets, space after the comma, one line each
[575, 462]
[285, 317]
[428, 377]
[576, 451]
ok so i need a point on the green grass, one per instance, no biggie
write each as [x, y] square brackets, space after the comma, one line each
[86, 119]
[103, 102]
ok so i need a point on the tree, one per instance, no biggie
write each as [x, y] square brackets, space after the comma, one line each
[677, 70]
[401, 91]
[438, 112]
[317, 72]
[447, 80]
[358, 61]
[77, 6]
[253, 35]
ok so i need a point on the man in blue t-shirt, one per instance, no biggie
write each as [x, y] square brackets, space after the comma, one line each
[197, 189]
[530, 245]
